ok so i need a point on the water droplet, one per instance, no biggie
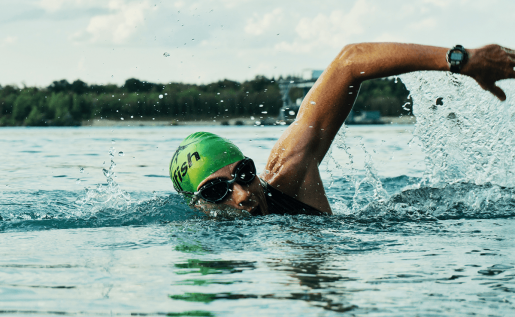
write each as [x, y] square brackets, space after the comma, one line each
[313, 103]
[132, 117]
[166, 54]
[113, 141]
[264, 112]
[260, 106]
[160, 96]
[291, 113]
[362, 72]
[81, 170]
[120, 153]
[267, 172]
[270, 194]
[122, 119]
[77, 181]
[291, 81]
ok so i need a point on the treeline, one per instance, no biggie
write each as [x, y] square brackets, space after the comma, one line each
[64, 104]
[388, 96]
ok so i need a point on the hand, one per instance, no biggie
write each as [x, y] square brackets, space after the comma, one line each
[489, 64]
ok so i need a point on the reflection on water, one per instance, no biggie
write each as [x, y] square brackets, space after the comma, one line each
[304, 278]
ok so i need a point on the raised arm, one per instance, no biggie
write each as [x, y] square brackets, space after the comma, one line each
[329, 102]
[301, 148]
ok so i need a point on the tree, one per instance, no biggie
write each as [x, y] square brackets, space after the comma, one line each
[79, 87]
[60, 86]
[135, 85]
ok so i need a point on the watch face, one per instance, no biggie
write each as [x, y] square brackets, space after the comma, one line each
[456, 56]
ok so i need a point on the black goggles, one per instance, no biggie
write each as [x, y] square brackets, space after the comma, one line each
[216, 190]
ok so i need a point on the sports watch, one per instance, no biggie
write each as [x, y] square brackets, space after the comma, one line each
[457, 57]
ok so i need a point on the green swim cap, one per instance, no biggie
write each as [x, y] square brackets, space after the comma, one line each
[198, 156]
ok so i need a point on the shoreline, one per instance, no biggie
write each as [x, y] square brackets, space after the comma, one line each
[222, 122]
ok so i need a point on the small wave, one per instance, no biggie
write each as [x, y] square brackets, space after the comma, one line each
[452, 201]
[42, 210]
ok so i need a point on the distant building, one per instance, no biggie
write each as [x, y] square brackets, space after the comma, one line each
[289, 109]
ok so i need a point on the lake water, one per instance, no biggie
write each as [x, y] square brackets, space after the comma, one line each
[423, 225]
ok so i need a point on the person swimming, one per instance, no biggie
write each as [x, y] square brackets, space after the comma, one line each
[213, 174]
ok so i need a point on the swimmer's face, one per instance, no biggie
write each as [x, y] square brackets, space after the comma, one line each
[248, 197]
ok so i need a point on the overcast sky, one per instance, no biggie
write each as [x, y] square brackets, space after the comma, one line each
[109, 41]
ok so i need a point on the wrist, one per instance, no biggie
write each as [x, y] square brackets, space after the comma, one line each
[457, 58]
[467, 69]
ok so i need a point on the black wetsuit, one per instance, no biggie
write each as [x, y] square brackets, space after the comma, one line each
[282, 204]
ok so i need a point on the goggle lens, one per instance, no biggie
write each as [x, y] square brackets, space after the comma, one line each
[216, 190]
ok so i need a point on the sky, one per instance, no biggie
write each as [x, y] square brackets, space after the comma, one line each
[202, 41]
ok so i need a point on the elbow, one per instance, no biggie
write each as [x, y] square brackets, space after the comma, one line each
[348, 62]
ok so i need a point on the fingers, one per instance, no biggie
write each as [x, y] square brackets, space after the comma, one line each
[498, 92]
[495, 90]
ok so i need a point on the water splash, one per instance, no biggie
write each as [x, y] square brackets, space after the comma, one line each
[107, 205]
[349, 175]
[466, 133]
[467, 136]
[110, 195]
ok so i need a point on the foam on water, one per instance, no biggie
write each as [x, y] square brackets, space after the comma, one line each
[466, 132]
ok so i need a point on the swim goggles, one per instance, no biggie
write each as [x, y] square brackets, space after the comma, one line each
[216, 190]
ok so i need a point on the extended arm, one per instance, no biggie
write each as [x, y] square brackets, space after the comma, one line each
[293, 162]
[329, 102]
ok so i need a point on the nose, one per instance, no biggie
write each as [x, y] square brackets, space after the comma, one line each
[240, 195]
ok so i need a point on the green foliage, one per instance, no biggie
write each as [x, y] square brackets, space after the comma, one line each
[63, 103]
[384, 95]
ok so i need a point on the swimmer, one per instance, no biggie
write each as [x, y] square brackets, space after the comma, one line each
[213, 174]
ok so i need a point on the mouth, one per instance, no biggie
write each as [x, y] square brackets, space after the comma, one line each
[256, 211]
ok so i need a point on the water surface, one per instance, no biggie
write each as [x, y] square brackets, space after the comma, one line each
[90, 225]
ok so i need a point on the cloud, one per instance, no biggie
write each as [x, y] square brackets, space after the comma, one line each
[116, 27]
[10, 40]
[438, 3]
[424, 24]
[60, 5]
[52, 5]
[329, 31]
[257, 26]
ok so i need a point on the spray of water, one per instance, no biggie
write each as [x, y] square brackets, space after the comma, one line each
[466, 133]
[468, 139]
[106, 196]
